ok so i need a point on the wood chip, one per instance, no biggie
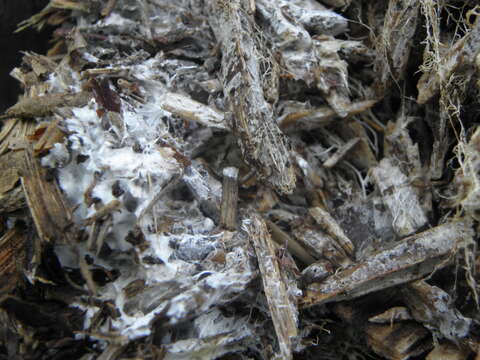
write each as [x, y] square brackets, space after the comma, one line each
[282, 310]
[330, 226]
[412, 258]
[52, 217]
[228, 215]
[262, 142]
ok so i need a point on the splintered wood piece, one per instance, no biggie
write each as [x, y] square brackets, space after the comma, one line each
[228, 214]
[13, 133]
[411, 259]
[324, 219]
[320, 245]
[243, 57]
[459, 56]
[12, 251]
[448, 351]
[398, 341]
[10, 164]
[395, 41]
[50, 137]
[400, 146]
[205, 189]
[282, 309]
[400, 198]
[191, 110]
[331, 77]
[39, 106]
[295, 248]
[340, 153]
[51, 216]
[7, 128]
[433, 307]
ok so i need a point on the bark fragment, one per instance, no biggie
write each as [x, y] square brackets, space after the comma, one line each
[262, 142]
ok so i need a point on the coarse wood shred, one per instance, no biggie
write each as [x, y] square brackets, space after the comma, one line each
[398, 341]
[410, 259]
[262, 142]
[53, 219]
[228, 212]
[12, 257]
[282, 309]
[11, 197]
[268, 179]
[38, 106]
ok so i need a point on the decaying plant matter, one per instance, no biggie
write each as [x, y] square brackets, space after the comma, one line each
[243, 179]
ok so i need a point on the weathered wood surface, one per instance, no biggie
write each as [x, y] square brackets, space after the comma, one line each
[245, 81]
[283, 311]
[52, 217]
[197, 179]
[411, 259]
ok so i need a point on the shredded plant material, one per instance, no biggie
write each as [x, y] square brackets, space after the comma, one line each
[243, 179]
